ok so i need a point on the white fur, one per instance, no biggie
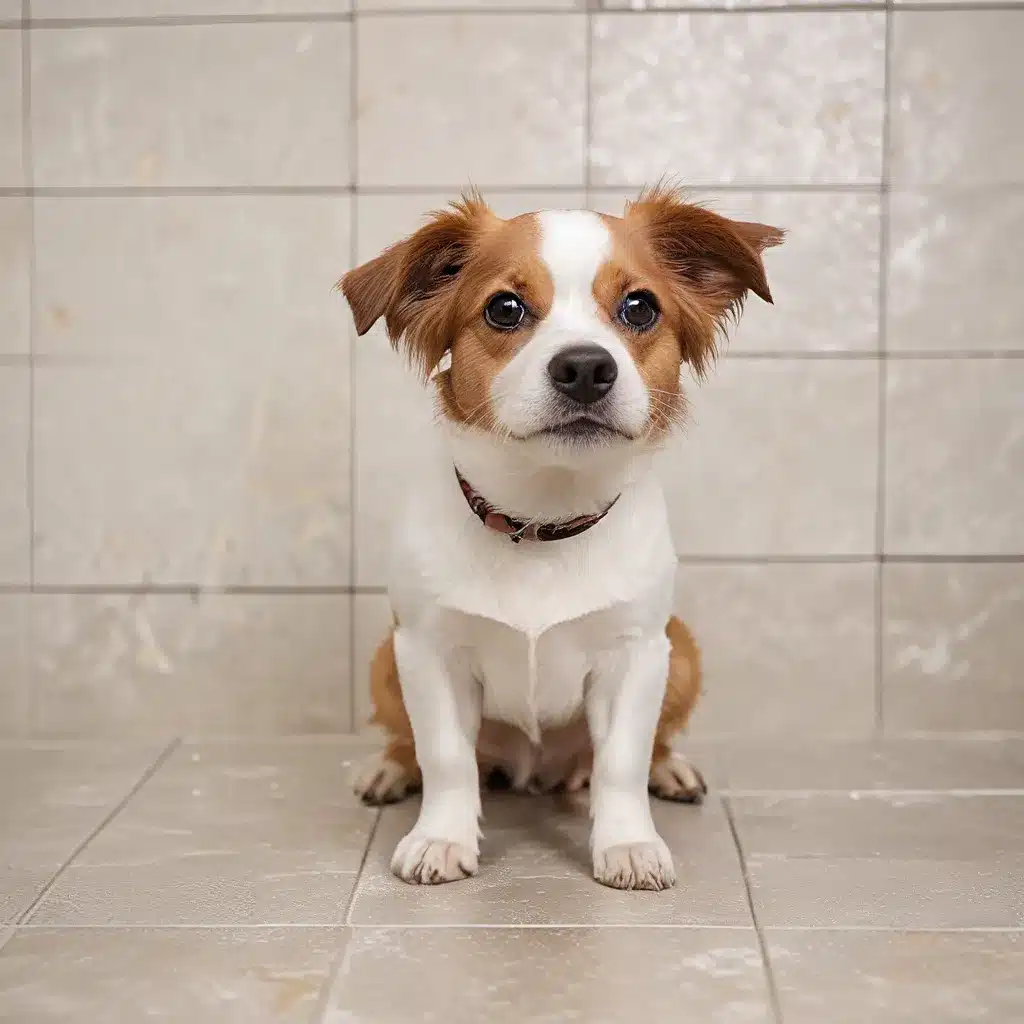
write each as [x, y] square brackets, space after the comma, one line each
[534, 634]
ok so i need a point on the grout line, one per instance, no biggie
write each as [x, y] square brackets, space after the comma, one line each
[108, 818]
[766, 963]
[362, 867]
[884, 224]
[353, 360]
[574, 926]
[28, 173]
[453, 10]
[870, 794]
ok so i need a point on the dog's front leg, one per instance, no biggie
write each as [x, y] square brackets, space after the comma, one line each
[623, 704]
[443, 702]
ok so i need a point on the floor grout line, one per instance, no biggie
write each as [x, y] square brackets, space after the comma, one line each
[362, 866]
[160, 760]
[766, 963]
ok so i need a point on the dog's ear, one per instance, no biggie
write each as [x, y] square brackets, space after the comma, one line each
[412, 283]
[708, 257]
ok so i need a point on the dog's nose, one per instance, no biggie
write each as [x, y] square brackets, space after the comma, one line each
[584, 373]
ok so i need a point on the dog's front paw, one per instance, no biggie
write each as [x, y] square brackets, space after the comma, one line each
[635, 866]
[674, 778]
[422, 861]
[381, 780]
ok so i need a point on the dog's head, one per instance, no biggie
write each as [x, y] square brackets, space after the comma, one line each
[567, 330]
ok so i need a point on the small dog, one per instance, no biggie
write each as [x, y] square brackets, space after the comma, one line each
[533, 566]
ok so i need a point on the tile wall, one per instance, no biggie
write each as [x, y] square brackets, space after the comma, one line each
[197, 457]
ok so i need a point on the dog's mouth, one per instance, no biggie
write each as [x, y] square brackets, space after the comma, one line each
[581, 431]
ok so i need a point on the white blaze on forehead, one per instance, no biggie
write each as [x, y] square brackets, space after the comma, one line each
[573, 245]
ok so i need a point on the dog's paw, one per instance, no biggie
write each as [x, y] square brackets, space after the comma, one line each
[421, 861]
[674, 778]
[635, 866]
[380, 780]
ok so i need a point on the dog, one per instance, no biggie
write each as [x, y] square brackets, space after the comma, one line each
[533, 568]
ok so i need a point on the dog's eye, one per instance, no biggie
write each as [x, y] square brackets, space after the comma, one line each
[639, 311]
[505, 311]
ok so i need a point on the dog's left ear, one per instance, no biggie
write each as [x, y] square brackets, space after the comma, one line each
[710, 258]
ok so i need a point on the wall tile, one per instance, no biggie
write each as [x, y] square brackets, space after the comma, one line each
[955, 457]
[11, 166]
[728, 97]
[10, 10]
[951, 106]
[786, 649]
[954, 259]
[202, 433]
[159, 664]
[199, 105]
[14, 498]
[824, 278]
[14, 689]
[779, 458]
[953, 647]
[504, 92]
[15, 248]
[76, 9]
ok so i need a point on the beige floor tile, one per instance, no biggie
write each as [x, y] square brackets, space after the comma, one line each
[597, 975]
[225, 664]
[54, 796]
[504, 92]
[778, 458]
[14, 679]
[955, 482]
[890, 861]
[786, 648]
[19, 887]
[199, 105]
[881, 893]
[124, 976]
[948, 249]
[881, 825]
[953, 647]
[14, 500]
[15, 247]
[11, 166]
[895, 978]
[726, 97]
[951, 108]
[535, 870]
[936, 764]
[264, 835]
[824, 278]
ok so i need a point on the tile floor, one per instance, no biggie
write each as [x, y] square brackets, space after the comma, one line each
[228, 882]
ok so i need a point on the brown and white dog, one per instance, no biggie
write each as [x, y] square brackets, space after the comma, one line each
[533, 567]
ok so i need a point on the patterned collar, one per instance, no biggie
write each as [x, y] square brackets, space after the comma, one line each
[525, 529]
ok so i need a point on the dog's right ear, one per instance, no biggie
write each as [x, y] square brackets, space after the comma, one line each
[412, 283]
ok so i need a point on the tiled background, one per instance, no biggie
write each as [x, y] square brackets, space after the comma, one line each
[197, 458]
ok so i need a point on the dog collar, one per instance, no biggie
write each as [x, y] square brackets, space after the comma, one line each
[526, 529]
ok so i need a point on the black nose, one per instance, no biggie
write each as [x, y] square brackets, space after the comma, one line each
[584, 373]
